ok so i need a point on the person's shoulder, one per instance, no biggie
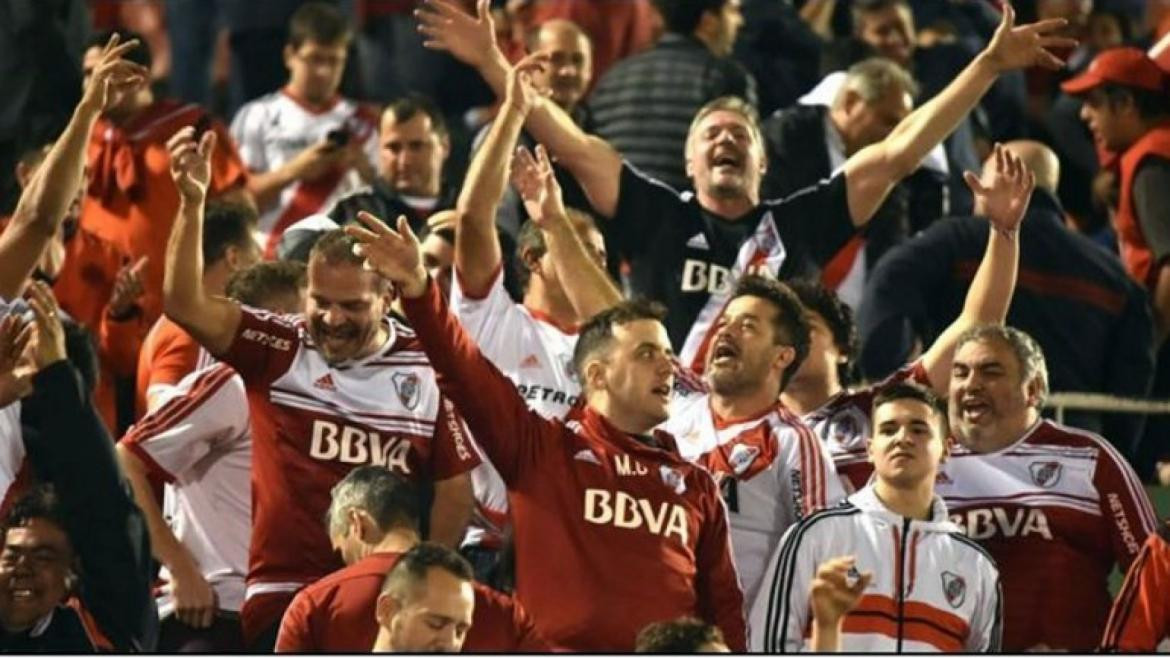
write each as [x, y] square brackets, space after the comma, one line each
[973, 551]
[826, 521]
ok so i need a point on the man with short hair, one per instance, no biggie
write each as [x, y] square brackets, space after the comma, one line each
[773, 470]
[305, 145]
[426, 602]
[681, 636]
[414, 144]
[199, 441]
[1044, 499]
[613, 529]
[340, 385]
[168, 353]
[818, 393]
[641, 106]
[886, 571]
[1127, 108]
[687, 249]
[129, 200]
[373, 520]
[1075, 298]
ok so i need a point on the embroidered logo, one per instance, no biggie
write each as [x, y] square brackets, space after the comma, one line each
[325, 382]
[1045, 474]
[407, 386]
[954, 588]
[673, 479]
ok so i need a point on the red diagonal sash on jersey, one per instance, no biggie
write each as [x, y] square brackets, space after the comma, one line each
[762, 252]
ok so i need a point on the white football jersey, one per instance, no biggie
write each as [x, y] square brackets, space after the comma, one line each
[772, 469]
[273, 129]
[199, 440]
[537, 356]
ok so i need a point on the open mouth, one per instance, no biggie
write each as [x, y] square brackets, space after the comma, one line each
[726, 160]
[973, 411]
[724, 351]
[21, 594]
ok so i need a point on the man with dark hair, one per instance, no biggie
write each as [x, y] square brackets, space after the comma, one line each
[426, 602]
[530, 342]
[414, 147]
[840, 416]
[199, 441]
[168, 352]
[687, 249]
[339, 385]
[832, 586]
[128, 199]
[306, 146]
[1044, 499]
[75, 570]
[773, 470]
[373, 520]
[686, 635]
[1127, 108]
[613, 529]
[688, 66]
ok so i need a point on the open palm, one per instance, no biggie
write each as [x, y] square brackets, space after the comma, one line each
[1003, 193]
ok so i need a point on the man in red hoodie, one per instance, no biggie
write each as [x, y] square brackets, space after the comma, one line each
[614, 530]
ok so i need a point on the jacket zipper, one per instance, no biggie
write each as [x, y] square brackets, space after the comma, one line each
[902, 579]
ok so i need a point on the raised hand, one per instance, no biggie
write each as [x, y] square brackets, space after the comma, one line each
[14, 338]
[395, 255]
[50, 343]
[191, 163]
[113, 74]
[470, 39]
[1003, 194]
[128, 288]
[1013, 47]
[836, 589]
[537, 185]
[521, 93]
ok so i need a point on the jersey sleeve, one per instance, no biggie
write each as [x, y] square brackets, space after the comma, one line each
[206, 408]
[453, 452]
[643, 203]
[986, 635]
[815, 484]
[1140, 618]
[717, 589]
[173, 354]
[513, 437]
[501, 625]
[247, 132]
[264, 346]
[228, 170]
[295, 634]
[780, 613]
[1125, 507]
[489, 318]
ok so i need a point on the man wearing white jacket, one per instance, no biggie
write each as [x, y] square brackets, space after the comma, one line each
[886, 571]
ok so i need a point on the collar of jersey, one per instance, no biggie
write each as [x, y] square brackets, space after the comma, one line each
[867, 501]
[960, 449]
[600, 426]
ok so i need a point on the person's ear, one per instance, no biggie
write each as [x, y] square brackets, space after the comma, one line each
[384, 609]
[594, 374]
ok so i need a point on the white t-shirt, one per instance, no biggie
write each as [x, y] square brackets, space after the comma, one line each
[199, 440]
[273, 129]
[537, 356]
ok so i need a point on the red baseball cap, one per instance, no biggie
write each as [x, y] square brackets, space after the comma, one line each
[1129, 67]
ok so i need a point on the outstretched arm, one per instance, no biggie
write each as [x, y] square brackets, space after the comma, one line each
[210, 320]
[583, 277]
[472, 40]
[1003, 197]
[45, 202]
[477, 248]
[872, 172]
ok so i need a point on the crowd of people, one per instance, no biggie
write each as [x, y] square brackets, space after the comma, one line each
[583, 325]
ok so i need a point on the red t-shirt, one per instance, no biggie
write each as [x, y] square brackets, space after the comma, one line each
[336, 615]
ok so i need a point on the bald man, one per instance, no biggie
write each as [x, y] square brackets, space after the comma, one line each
[1092, 321]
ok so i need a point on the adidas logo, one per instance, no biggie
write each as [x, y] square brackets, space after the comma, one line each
[530, 361]
[325, 382]
[587, 456]
[698, 241]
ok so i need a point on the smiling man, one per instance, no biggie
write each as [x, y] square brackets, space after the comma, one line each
[885, 571]
[1044, 499]
[340, 385]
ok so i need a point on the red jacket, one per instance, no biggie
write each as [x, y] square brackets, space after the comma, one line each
[1135, 253]
[1140, 619]
[611, 533]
